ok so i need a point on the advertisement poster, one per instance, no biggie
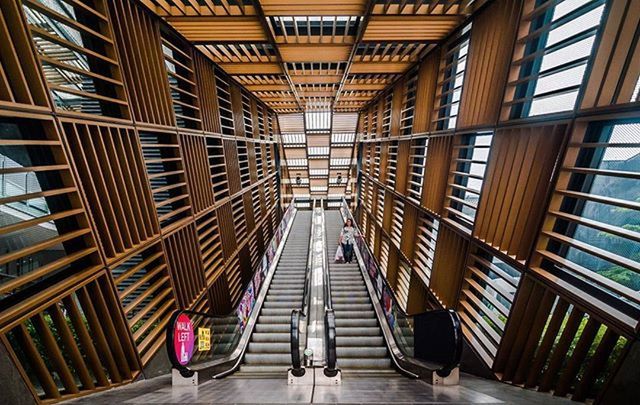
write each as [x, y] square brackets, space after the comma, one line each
[183, 339]
[257, 281]
[245, 306]
[379, 284]
[387, 306]
[264, 267]
[204, 339]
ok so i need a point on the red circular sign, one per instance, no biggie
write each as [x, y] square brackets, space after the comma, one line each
[183, 339]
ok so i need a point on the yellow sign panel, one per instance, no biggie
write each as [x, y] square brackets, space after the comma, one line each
[204, 339]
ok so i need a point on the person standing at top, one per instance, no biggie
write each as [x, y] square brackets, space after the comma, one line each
[347, 239]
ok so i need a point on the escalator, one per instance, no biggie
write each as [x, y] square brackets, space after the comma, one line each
[374, 335]
[359, 341]
[269, 351]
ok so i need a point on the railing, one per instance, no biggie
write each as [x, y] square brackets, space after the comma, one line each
[298, 316]
[426, 342]
[329, 315]
[197, 340]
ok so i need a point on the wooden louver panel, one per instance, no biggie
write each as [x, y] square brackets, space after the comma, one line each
[217, 167]
[490, 49]
[138, 38]
[111, 169]
[210, 246]
[488, 290]
[17, 62]
[182, 81]
[408, 102]
[207, 95]
[518, 176]
[417, 161]
[79, 338]
[556, 345]
[466, 176]
[78, 56]
[185, 265]
[223, 90]
[144, 289]
[233, 166]
[167, 177]
[36, 180]
[591, 227]
[448, 265]
[194, 152]
[426, 238]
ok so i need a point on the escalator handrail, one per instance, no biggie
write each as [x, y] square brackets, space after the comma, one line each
[329, 314]
[246, 333]
[443, 369]
[297, 315]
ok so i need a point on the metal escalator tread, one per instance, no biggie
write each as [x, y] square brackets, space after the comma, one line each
[360, 345]
[269, 351]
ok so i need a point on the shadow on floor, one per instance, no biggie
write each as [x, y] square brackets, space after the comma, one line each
[397, 390]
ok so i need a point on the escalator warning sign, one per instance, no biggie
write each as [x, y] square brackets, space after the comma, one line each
[204, 339]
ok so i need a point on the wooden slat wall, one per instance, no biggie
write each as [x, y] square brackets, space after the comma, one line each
[138, 39]
[448, 265]
[207, 94]
[488, 63]
[17, 62]
[435, 181]
[425, 92]
[517, 186]
[144, 288]
[559, 346]
[195, 156]
[44, 332]
[185, 263]
[616, 70]
[112, 172]
[125, 210]
[511, 225]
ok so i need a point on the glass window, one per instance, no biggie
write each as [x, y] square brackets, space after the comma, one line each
[596, 235]
[451, 87]
[470, 162]
[558, 47]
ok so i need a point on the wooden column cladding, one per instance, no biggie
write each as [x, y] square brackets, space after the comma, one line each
[75, 331]
[137, 35]
[17, 62]
[83, 77]
[487, 67]
[185, 265]
[448, 264]
[194, 150]
[111, 170]
[144, 289]
[517, 185]
[615, 71]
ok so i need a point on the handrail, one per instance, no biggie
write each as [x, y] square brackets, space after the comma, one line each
[407, 359]
[329, 315]
[229, 342]
[298, 315]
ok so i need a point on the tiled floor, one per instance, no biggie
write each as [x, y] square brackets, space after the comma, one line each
[395, 390]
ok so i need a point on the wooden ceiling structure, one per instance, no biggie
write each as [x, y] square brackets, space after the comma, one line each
[293, 54]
